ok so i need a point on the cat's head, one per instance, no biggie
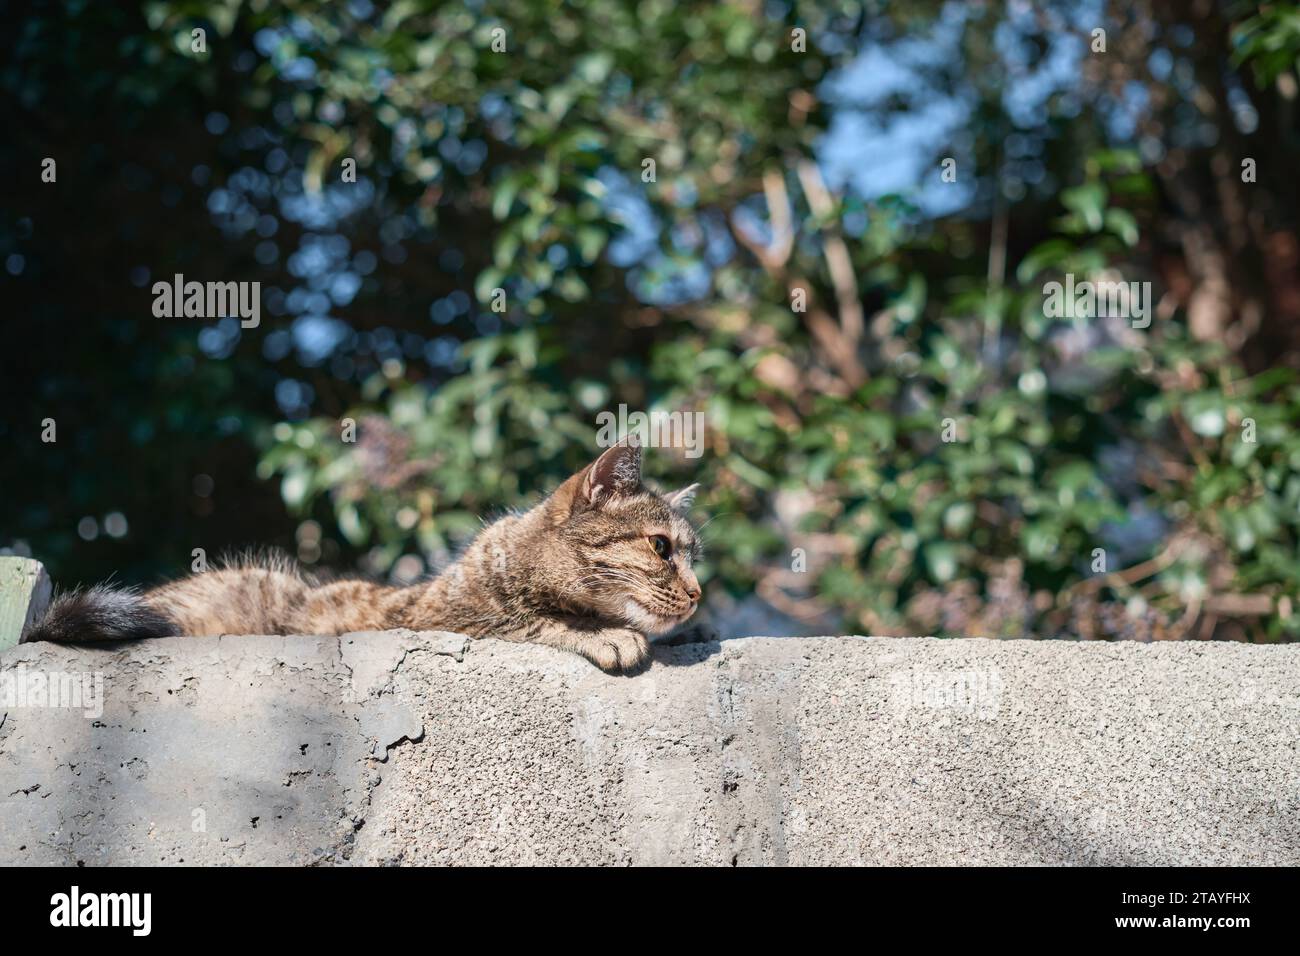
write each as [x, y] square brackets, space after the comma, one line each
[632, 548]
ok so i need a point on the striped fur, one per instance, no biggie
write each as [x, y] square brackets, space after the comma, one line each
[580, 571]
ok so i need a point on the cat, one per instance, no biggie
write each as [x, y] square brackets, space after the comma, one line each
[600, 567]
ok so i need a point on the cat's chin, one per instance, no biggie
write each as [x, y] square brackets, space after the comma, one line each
[648, 622]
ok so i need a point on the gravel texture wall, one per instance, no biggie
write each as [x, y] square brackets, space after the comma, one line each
[406, 748]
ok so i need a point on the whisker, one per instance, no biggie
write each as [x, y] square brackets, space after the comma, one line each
[725, 514]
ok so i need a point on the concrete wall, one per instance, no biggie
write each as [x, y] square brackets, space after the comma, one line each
[427, 748]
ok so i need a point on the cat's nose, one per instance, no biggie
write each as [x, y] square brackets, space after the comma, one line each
[690, 584]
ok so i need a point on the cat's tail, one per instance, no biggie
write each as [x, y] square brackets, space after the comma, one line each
[100, 613]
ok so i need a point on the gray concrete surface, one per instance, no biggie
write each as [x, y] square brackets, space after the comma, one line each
[428, 749]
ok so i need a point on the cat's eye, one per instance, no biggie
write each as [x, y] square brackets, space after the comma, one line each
[663, 547]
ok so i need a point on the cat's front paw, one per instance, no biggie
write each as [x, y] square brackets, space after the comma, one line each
[617, 650]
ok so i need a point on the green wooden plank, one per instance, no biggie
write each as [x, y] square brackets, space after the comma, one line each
[24, 596]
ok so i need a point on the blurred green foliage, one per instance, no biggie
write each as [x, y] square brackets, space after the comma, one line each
[830, 489]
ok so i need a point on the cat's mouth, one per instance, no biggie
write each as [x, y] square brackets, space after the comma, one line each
[653, 622]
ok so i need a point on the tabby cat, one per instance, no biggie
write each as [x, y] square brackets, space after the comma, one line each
[598, 568]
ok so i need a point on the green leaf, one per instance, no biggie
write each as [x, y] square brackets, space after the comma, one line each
[1123, 224]
[1043, 256]
[1087, 201]
[941, 561]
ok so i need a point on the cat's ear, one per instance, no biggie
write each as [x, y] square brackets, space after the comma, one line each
[616, 472]
[682, 499]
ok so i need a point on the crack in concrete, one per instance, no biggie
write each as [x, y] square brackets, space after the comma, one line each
[377, 748]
